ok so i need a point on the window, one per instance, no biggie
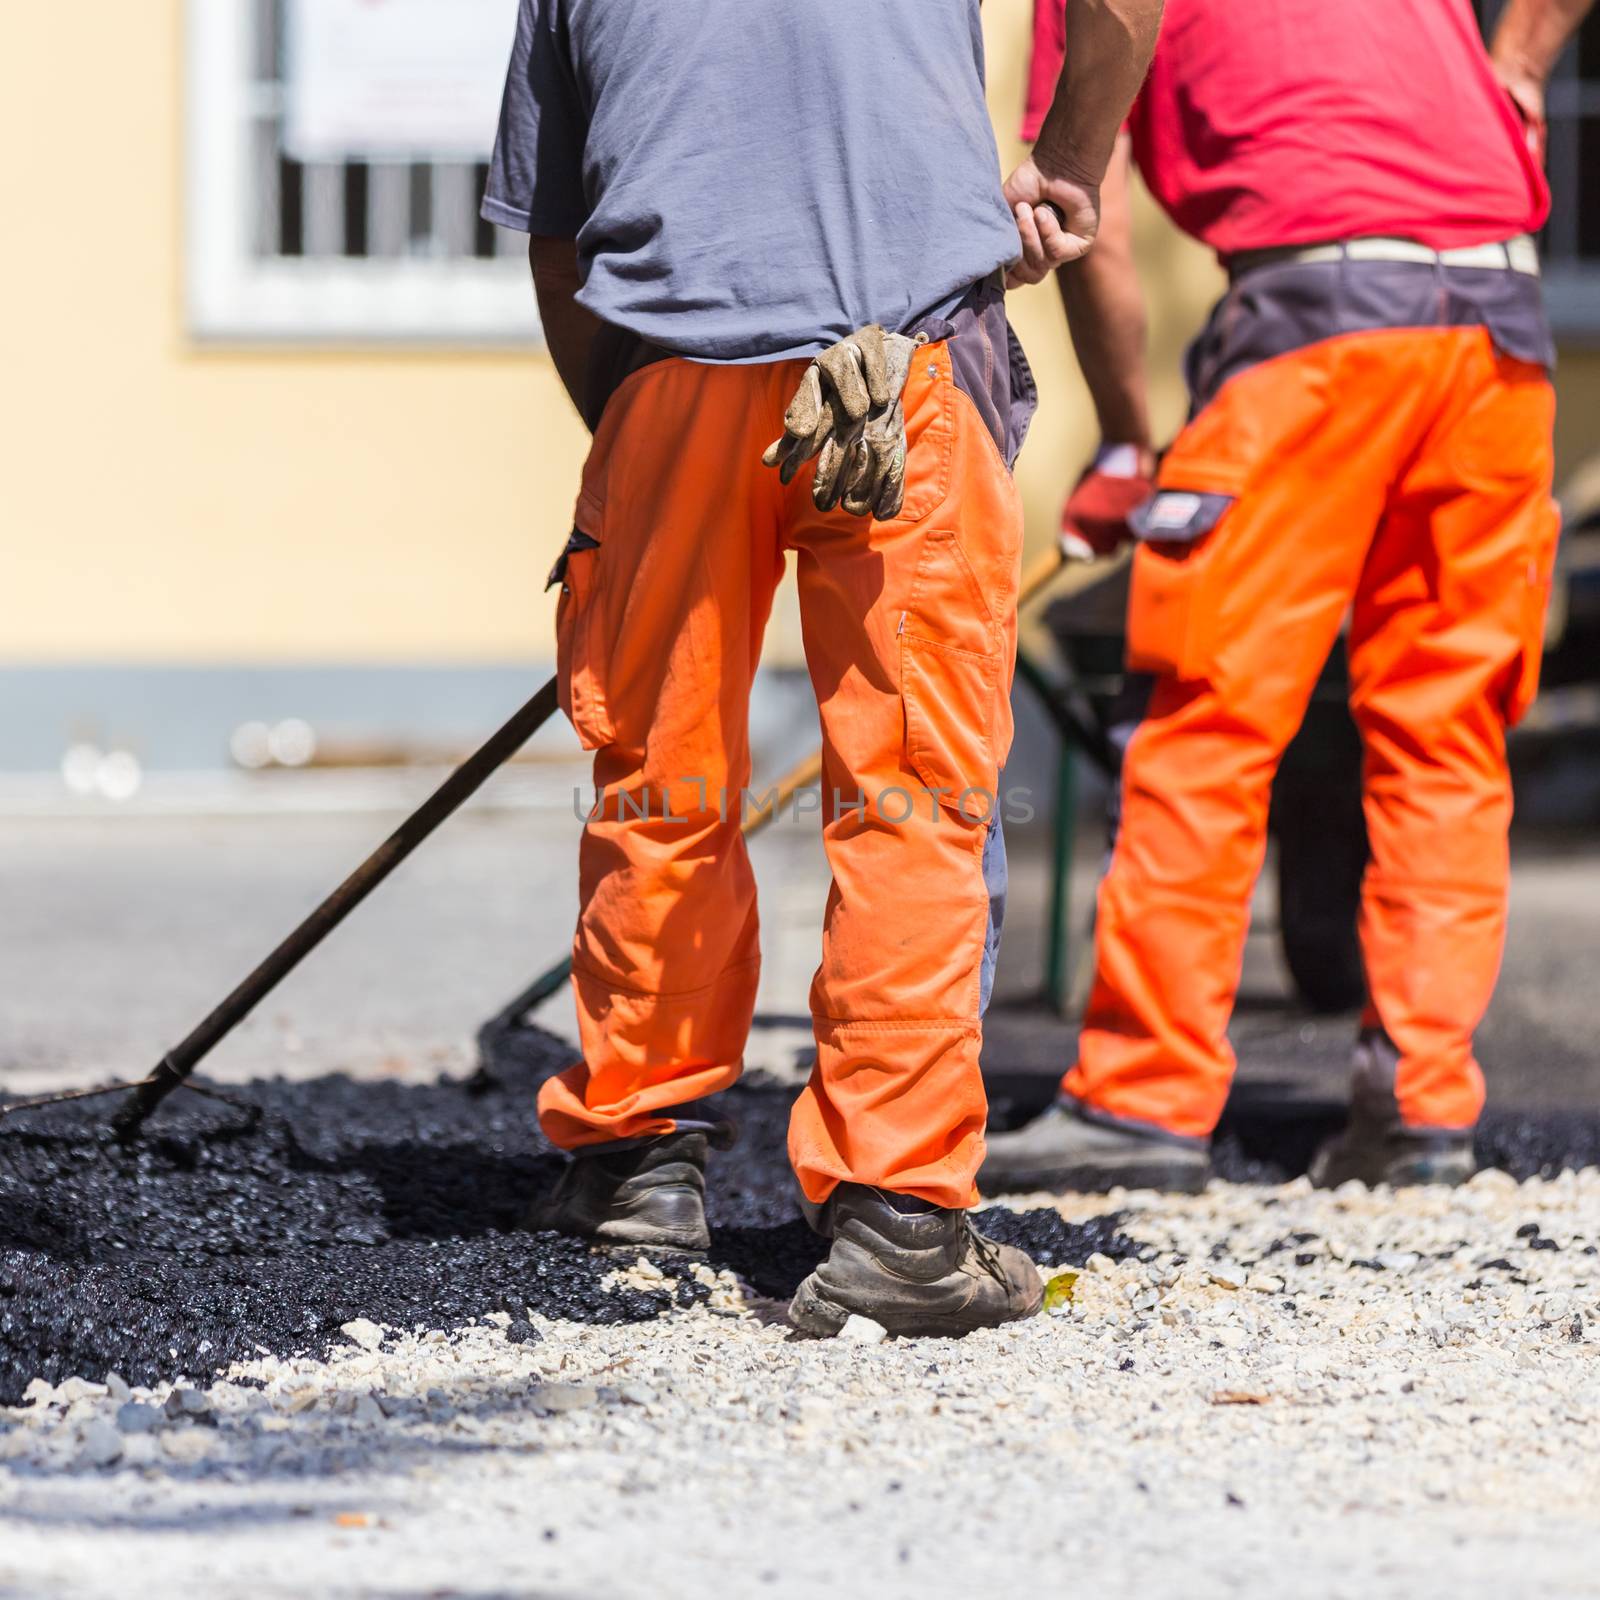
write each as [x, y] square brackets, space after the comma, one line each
[332, 249]
[1571, 240]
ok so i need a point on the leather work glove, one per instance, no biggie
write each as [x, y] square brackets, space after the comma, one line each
[848, 413]
[1094, 521]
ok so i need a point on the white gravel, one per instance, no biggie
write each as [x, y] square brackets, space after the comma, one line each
[1369, 1410]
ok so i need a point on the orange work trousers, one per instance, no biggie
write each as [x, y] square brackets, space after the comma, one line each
[1402, 479]
[910, 632]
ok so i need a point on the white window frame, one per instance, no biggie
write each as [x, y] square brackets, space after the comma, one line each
[234, 294]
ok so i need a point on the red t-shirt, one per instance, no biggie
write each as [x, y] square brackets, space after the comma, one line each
[1278, 122]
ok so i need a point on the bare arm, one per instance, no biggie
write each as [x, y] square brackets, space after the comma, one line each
[1530, 36]
[1106, 317]
[569, 330]
[1111, 42]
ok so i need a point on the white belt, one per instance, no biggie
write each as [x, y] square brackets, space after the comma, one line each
[1509, 255]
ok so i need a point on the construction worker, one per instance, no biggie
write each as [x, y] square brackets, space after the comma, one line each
[769, 237]
[1369, 439]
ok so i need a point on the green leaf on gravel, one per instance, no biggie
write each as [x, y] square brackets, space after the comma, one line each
[1059, 1293]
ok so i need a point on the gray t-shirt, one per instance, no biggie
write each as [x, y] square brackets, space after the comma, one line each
[752, 179]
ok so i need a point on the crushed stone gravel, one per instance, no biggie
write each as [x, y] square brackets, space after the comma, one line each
[1350, 1392]
[314, 1355]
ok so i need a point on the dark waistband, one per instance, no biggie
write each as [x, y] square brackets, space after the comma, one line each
[986, 359]
[614, 356]
[1284, 305]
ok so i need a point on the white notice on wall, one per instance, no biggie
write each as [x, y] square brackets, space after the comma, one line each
[395, 79]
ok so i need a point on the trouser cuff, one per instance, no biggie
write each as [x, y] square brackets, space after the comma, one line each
[1144, 1130]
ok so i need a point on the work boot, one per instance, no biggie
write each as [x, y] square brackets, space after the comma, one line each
[912, 1267]
[1066, 1148]
[1376, 1145]
[635, 1192]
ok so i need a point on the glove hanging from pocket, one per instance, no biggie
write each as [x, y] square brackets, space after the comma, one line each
[848, 413]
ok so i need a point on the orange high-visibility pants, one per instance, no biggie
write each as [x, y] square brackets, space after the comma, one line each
[1402, 478]
[910, 632]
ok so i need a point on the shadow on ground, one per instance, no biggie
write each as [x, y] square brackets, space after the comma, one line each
[427, 1423]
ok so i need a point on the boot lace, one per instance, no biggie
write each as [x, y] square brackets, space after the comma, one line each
[988, 1254]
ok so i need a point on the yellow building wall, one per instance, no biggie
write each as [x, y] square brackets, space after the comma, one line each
[167, 501]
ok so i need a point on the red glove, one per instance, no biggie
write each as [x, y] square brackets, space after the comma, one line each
[1094, 521]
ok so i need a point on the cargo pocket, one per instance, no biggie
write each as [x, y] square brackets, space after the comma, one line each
[580, 651]
[950, 682]
[1535, 611]
[1172, 611]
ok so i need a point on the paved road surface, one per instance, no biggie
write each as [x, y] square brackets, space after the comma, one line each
[117, 933]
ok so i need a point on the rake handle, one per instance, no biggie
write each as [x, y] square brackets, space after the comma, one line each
[181, 1060]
